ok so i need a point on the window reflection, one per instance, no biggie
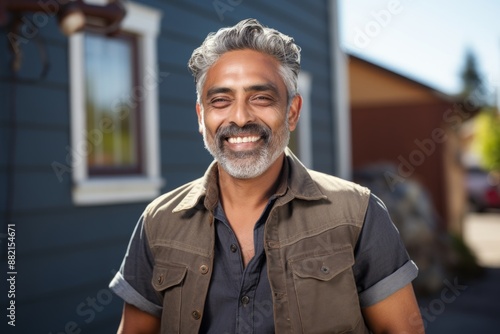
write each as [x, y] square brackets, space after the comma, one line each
[111, 108]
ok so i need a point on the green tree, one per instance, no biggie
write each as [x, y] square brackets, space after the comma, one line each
[488, 138]
[473, 87]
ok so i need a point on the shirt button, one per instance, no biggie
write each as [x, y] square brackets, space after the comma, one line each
[196, 315]
[234, 248]
[245, 300]
[203, 269]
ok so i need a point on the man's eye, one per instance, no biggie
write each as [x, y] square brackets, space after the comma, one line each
[219, 102]
[262, 100]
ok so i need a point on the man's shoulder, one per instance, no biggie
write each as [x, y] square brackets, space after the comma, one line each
[346, 198]
[313, 182]
[177, 216]
[167, 202]
[333, 185]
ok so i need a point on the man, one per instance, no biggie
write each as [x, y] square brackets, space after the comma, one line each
[260, 244]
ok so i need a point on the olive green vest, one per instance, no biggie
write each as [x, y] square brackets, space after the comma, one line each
[309, 240]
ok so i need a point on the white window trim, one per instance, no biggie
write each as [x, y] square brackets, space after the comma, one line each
[304, 135]
[145, 21]
[341, 112]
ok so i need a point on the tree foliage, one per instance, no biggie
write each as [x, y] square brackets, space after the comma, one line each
[488, 138]
[474, 88]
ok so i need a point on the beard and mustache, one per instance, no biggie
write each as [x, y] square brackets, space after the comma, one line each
[247, 164]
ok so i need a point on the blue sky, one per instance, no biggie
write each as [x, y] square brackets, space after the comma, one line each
[425, 40]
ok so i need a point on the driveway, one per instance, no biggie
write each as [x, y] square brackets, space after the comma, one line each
[482, 234]
[470, 307]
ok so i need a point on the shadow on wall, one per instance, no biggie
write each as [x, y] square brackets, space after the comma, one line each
[437, 254]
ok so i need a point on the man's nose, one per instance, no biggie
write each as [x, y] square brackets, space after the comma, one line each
[241, 114]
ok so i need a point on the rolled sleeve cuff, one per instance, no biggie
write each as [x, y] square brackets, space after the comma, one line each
[386, 287]
[126, 292]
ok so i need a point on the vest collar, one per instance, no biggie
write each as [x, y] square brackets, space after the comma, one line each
[300, 183]
[295, 179]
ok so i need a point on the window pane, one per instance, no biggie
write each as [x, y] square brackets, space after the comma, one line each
[112, 122]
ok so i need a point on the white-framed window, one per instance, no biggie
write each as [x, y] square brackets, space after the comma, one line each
[300, 139]
[114, 111]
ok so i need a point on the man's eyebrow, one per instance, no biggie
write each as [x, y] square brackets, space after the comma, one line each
[253, 88]
[218, 90]
[262, 88]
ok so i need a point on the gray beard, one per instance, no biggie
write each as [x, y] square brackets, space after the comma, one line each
[247, 164]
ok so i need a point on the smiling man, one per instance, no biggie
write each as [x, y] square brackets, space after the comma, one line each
[260, 244]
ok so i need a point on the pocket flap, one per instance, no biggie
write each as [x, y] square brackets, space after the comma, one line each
[167, 275]
[324, 267]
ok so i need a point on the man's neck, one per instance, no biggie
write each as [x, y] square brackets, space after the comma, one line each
[249, 193]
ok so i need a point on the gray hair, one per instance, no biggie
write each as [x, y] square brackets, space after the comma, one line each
[247, 34]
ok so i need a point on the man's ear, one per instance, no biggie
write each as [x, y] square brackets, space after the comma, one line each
[294, 112]
[199, 110]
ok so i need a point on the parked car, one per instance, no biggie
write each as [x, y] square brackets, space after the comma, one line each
[483, 189]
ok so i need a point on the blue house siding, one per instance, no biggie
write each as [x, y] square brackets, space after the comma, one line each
[66, 255]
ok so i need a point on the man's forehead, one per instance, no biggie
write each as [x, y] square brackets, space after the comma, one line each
[244, 69]
[248, 62]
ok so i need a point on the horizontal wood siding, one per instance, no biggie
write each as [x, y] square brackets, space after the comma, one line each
[66, 255]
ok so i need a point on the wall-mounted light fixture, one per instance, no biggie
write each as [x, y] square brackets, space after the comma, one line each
[73, 15]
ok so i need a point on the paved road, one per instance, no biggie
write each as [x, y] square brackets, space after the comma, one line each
[470, 307]
[482, 234]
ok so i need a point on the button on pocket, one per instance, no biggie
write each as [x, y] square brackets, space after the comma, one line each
[166, 276]
[324, 267]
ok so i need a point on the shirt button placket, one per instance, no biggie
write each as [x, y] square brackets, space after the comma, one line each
[245, 300]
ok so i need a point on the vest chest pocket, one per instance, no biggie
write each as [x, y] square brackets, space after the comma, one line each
[326, 292]
[167, 281]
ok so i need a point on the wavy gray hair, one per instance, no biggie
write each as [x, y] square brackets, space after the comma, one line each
[247, 34]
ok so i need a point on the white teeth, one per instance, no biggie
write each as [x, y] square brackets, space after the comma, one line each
[239, 140]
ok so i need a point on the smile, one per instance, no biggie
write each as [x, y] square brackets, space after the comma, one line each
[239, 140]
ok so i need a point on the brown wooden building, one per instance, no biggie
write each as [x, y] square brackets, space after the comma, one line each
[399, 121]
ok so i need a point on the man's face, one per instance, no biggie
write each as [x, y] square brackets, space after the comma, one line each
[243, 113]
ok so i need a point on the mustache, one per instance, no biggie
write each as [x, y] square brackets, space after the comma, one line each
[233, 130]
